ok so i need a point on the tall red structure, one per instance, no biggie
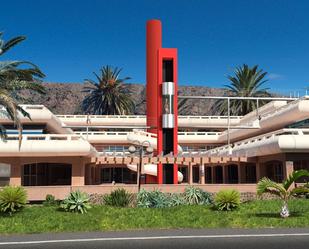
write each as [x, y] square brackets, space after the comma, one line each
[161, 95]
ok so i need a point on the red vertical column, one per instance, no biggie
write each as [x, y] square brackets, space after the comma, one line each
[153, 44]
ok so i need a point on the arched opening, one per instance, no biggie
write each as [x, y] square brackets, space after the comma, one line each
[218, 174]
[208, 176]
[250, 173]
[274, 170]
[46, 174]
[232, 174]
[302, 164]
[196, 173]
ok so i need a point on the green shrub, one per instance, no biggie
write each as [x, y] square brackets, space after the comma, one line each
[196, 196]
[118, 198]
[227, 200]
[12, 199]
[152, 199]
[77, 202]
[176, 200]
[50, 200]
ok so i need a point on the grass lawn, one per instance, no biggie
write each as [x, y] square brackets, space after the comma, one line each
[256, 214]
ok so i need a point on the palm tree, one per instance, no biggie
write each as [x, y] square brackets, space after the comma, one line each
[14, 77]
[283, 190]
[108, 95]
[247, 82]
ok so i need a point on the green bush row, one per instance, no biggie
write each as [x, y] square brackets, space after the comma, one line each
[13, 199]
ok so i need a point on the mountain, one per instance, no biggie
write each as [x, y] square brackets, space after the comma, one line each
[65, 98]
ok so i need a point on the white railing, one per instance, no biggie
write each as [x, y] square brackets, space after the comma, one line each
[142, 133]
[143, 117]
[101, 116]
[45, 137]
[102, 133]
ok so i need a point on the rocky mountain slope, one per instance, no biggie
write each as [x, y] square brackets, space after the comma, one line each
[65, 98]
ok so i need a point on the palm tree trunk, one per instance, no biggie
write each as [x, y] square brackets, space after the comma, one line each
[284, 210]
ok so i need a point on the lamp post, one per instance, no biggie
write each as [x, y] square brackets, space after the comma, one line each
[132, 149]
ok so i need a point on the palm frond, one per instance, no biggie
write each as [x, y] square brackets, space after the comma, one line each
[5, 46]
[265, 185]
[294, 176]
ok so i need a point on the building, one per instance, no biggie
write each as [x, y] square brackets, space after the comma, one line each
[59, 153]
[53, 158]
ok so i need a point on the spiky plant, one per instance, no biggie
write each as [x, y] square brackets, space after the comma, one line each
[118, 198]
[247, 82]
[77, 202]
[227, 200]
[107, 96]
[12, 199]
[196, 196]
[14, 77]
[283, 190]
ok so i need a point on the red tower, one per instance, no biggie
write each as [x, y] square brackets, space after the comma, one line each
[161, 95]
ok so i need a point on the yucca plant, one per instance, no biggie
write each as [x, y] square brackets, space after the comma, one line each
[196, 196]
[118, 198]
[77, 202]
[283, 190]
[176, 200]
[227, 200]
[152, 199]
[12, 199]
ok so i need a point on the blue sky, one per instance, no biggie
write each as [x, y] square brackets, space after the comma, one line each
[71, 39]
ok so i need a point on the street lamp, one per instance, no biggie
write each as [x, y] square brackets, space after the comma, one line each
[132, 149]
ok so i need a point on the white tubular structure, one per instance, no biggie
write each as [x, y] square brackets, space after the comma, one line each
[46, 145]
[151, 169]
[273, 119]
[281, 141]
[41, 115]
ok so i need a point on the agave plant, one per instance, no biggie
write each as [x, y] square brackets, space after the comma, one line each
[12, 199]
[108, 95]
[14, 77]
[283, 190]
[152, 199]
[196, 196]
[77, 202]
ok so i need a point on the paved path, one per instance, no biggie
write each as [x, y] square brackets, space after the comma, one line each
[151, 239]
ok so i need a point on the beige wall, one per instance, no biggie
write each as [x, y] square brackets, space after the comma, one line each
[60, 192]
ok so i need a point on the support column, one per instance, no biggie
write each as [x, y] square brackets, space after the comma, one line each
[202, 174]
[16, 173]
[239, 173]
[190, 171]
[288, 167]
[78, 172]
[202, 171]
[258, 171]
